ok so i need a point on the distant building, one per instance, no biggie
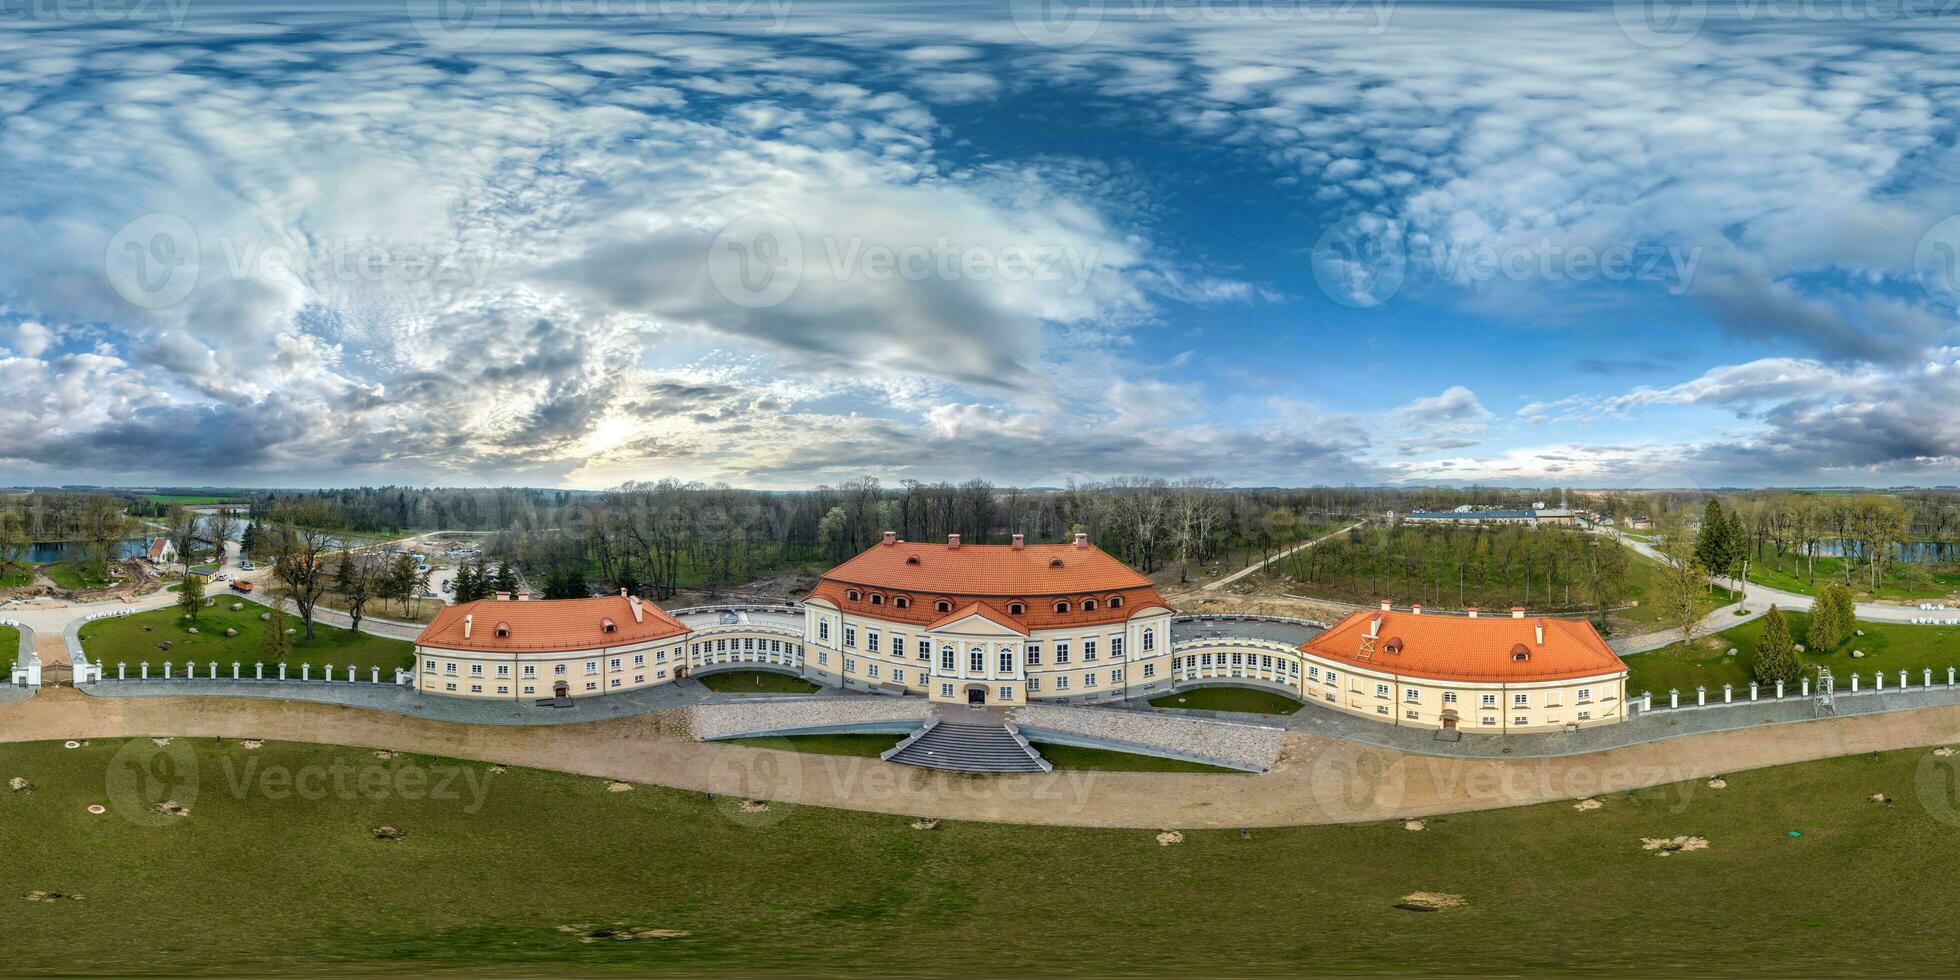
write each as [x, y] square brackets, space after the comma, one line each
[162, 552]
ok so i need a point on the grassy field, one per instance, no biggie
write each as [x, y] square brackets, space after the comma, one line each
[497, 873]
[1904, 582]
[73, 575]
[126, 640]
[863, 746]
[1246, 699]
[1645, 617]
[414, 611]
[17, 578]
[9, 649]
[1888, 647]
[757, 682]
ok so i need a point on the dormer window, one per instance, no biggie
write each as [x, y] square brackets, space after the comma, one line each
[943, 605]
[877, 598]
[1394, 645]
[1088, 605]
[608, 626]
[853, 595]
[912, 559]
[1116, 602]
[1062, 606]
[1520, 653]
[1054, 563]
[1017, 609]
[902, 602]
[503, 631]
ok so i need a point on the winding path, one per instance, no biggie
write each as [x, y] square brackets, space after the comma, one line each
[1250, 569]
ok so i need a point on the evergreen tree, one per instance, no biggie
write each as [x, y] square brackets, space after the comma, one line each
[1776, 652]
[506, 578]
[1735, 545]
[1712, 538]
[464, 585]
[275, 644]
[191, 597]
[1826, 629]
[564, 584]
[250, 542]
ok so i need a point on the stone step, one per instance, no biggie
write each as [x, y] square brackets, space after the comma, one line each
[966, 747]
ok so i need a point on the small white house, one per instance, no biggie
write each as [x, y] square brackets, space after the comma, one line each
[162, 552]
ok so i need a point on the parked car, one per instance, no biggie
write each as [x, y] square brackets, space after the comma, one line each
[242, 586]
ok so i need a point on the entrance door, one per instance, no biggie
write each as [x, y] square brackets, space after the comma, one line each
[561, 689]
[1449, 721]
[976, 694]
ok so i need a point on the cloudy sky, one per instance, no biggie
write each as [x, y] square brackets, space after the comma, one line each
[784, 242]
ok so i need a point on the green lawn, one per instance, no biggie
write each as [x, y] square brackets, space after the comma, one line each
[9, 651]
[109, 641]
[1060, 756]
[18, 577]
[1078, 759]
[1889, 647]
[1645, 617]
[493, 871]
[74, 575]
[1903, 582]
[1246, 699]
[757, 682]
[868, 746]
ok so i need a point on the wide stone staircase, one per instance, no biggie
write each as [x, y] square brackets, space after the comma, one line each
[968, 746]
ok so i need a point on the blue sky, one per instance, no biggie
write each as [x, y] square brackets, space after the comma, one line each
[778, 244]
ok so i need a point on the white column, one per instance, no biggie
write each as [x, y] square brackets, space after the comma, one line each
[376, 675]
[234, 670]
[1854, 683]
[1929, 677]
[1674, 698]
[1752, 690]
[258, 670]
[282, 671]
[1779, 688]
[1803, 686]
[1728, 693]
[1878, 680]
[214, 670]
[146, 670]
[166, 670]
[350, 673]
[1902, 679]
[120, 666]
[306, 672]
[1701, 695]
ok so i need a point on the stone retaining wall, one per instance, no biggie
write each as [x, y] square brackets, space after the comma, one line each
[731, 719]
[1238, 745]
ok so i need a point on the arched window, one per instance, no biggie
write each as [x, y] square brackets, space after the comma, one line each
[1149, 640]
[503, 630]
[823, 629]
[1017, 609]
[607, 625]
[912, 560]
[902, 602]
[852, 595]
[1116, 602]
[1088, 605]
[946, 659]
[877, 599]
[943, 605]
[976, 661]
[1054, 563]
[1062, 606]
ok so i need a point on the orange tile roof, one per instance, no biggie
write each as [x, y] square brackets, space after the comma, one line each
[983, 610]
[988, 570]
[993, 575]
[1458, 648]
[541, 625]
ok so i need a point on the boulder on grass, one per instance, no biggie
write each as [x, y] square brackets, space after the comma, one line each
[190, 629]
[265, 617]
[230, 632]
[237, 607]
[163, 644]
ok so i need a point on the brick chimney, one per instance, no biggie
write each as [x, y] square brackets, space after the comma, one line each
[639, 615]
[952, 540]
[1081, 540]
[1517, 612]
[1416, 609]
[503, 597]
[1375, 627]
[523, 595]
[1020, 541]
[1473, 612]
[891, 538]
[1386, 606]
[1541, 632]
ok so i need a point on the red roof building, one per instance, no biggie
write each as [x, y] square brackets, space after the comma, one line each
[548, 625]
[1477, 650]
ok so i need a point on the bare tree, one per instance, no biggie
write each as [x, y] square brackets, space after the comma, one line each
[303, 535]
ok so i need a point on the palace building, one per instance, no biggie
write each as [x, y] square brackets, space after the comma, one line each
[988, 624]
[1013, 624]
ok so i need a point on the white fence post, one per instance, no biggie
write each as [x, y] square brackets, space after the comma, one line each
[306, 672]
[146, 670]
[1929, 677]
[376, 678]
[1701, 695]
[1752, 690]
[1854, 683]
[190, 670]
[1803, 686]
[121, 671]
[1779, 687]
[258, 670]
[1728, 693]
[282, 671]
[166, 670]
[1878, 680]
[350, 673]
[234, 670]
[1902, 680]
[214, 670]
[1673, 697]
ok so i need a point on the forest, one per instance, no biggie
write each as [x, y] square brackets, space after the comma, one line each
[1545, 569]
